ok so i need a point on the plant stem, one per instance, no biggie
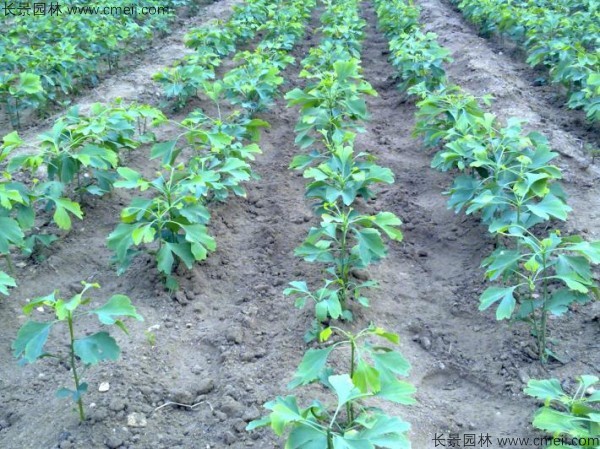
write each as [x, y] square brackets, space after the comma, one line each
[349, 407]
[343, 274]
[329, 439]
[543, 322]
[74, 367]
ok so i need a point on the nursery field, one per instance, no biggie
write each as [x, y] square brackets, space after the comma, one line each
[310, 224]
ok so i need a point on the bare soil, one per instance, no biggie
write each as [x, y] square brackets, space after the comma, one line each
[230, 341]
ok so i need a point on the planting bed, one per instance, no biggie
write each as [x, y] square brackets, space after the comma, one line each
[228, 341]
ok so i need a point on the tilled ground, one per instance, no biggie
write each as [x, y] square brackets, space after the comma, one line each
[230, 341]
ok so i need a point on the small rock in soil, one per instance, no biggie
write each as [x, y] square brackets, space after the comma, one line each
[229, 438]
[234, 335]
[117, 405]
[523, 376]
[231, 407]
[240, 426]
[220, 415]
[104, 387]
[251, 414]
[425, 343]
[205, 386]
[114, 442]
[181, 298]
[183, 396]
[136, 420]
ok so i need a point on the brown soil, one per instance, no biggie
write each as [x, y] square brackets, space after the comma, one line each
[230, 341]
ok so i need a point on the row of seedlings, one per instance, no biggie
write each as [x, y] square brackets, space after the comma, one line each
[504, 174]
[561, 36]
[347, 239]
[77, 157]
[211, 44]
[180, 202]
[82, 152]
[210, 156]
[47, 57]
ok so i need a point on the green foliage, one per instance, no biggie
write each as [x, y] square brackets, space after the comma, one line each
[20, 92]
[46, 60]
[575, 417]
[374, 372]
[85, 149]
[182, 81]
[6, 282]
[174, 220]
[254, 83]
[561, 36]
[419, 58]
[504, 175]
[346, 239]
[86, 350]
[540, 277]
[331, 105]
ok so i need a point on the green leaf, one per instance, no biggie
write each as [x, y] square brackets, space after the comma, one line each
[396, 390]
[165, 260]
[285, 412]
[10, 142]
[502, 294]
[384, 431]
[553, 421]
[29, 83]
[573, 281]
[389, 336]
[198, 234]
[166, 151]
[306, 437]
[366, 378]
[10, 234]
[388, 222]
[96, 348]
[350, 442]
[392, 362]
[30, 341]
[370, 245]
[546, 389]
[257, 423]
[550, 206]
[500, 261]
[344, 388]
[116, 307]
[61, 214]
[312, 366]
[143, 234]
[6, 282]
[131, 178]
[591, 250]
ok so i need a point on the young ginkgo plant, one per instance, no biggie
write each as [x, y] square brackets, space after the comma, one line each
[86, 350]
[174, 220]
[564, 416]
[332, 104]
[374, 372]
[540, 277]
[84, 149]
